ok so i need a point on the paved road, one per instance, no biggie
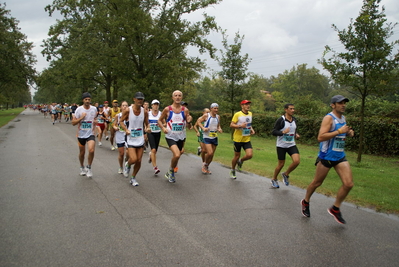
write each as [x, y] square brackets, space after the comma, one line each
[51, 216]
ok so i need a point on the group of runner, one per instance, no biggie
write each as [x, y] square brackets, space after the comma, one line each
[133, 125]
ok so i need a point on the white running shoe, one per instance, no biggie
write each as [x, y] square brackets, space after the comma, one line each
[120, 170]
[100, 144]
[107, 137]
[134, 182]
[156, 170]
[126, 171]
[89, 173]
[82, 171]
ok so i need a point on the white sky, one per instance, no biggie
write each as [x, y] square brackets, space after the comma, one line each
[278, 34]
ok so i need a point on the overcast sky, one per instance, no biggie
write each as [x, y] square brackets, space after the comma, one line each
[278, 34]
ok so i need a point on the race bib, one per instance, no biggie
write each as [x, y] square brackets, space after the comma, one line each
[100, 121]
[339, 143]
[246, 131]
[86, 125]
[136, 133]
[177, 126]
[154, 127]
[288, 138]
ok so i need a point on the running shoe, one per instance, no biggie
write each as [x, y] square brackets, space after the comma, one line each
[170, 176]
[175, 169]
[239, 165]
[285, 178]
[156, 170]
[100, 144]
[305, 208]
[82, 171]
[275, 184]
[204, 169]
[233, 174]
[149, 157]
[208, 171]
[120, 170]
[199, 150]
[133, 181]
[106, 137]
[89, 172]
[337, 215]
[126, 171]
[112, 148]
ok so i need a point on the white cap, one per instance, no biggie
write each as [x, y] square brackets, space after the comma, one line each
[214, 105]
[154, 102]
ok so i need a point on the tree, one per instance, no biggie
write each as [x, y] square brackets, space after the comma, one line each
[234, 71]
[368, 64]
[16, 61]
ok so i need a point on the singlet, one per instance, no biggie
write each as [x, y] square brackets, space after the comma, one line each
[153, 120]
[176, 124]
[113, 113]
[86, 126]
[120, 134]
[136, 127]
[100, 118]
[288, 139]
[242, 134]
[211, 123]
[333, 149]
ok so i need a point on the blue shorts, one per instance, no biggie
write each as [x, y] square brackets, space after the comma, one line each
[211, 141]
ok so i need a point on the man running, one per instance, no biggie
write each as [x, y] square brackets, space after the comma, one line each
[155, 136]
[120, 136]
[332, 135]
[201, 150]
[85, 118]
[242, 125]
[176, 117]
[138, 123]
[113, 112]
[210, 125]
[285, 130]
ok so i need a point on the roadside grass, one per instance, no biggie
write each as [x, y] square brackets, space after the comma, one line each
[376, 178]
[8, 115]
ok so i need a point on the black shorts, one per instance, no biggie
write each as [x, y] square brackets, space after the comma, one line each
[281, 151]
[83, 141]
[330, 163]
[153, 139]
[239, 145]
[129, 146]
[179, 143]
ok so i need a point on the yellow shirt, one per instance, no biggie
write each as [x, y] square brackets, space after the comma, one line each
[242, 134]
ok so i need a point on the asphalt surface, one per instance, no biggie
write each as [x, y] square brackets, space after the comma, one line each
[51, 216]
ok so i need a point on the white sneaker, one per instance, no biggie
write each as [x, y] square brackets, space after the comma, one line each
[100, 144]
[112, 148]
[120, 170]
[89, 173]
[156, 170]
[126, 171]
[82, 171]
[134, 182]
[107, 137]
[149, 157]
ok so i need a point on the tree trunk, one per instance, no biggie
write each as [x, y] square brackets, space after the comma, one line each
[361, 135]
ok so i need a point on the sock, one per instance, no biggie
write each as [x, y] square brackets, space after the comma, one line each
[335, 208]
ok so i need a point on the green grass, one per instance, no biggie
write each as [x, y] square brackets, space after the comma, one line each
[376, 178]
[8, 115]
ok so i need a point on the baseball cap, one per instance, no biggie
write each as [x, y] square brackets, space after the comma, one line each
[154, 102]
[101, 106]
[139, 95]
[105, 102]
[86, 95]
[338, 98]
[245, 102]
[115, 101]
[183, 103]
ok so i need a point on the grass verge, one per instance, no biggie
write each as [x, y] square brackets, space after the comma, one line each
[376, 178]
[8, 115]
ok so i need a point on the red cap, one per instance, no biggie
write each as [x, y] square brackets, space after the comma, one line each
[245, 102]
[105, 102]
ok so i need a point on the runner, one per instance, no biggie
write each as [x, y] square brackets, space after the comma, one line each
[100, 123]
[201, 150]
[175, 135]
[85, 118]
[155, 136]
[120, 136]
[112, 115]
[138, 123]
[59, 109]
[106, 111]
[285, 130]
[242, 125]
[53, 112]
[67, 111]
[332, 135]
[210, 131]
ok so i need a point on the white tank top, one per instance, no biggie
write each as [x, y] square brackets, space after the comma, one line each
[120, 133]
[176, 124]
[153, 120]
[136, 127]
[212, 124]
